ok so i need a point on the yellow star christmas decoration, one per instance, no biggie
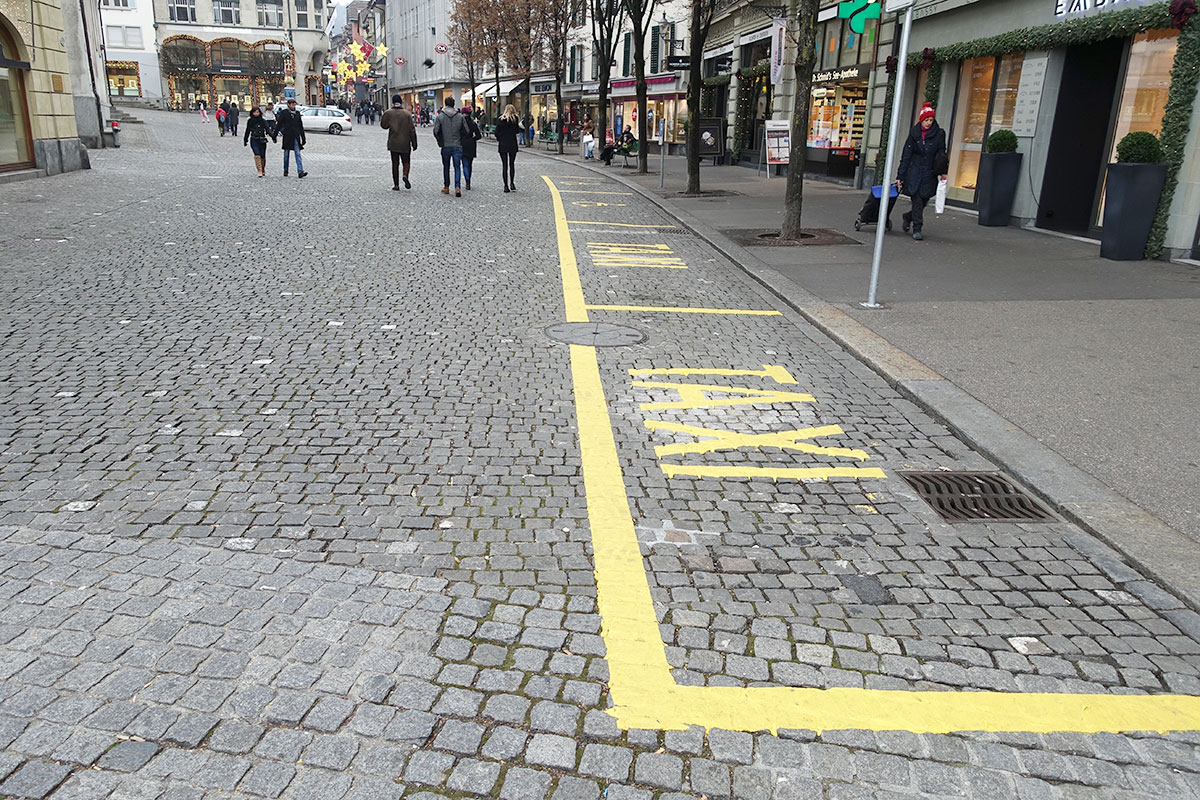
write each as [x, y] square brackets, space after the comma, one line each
[382, 50]
[356, 49]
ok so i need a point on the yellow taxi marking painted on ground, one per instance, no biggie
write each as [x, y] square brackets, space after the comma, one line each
[682, 310]
[654, 256]
[645, 695]
[772, 371]
[594, 204]
[593, 191]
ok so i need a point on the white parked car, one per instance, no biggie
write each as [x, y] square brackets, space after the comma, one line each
[333, 120]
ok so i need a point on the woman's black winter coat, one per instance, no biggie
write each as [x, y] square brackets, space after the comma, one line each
[923, 161]
[506, 135]
[256, 128]
[469, 143]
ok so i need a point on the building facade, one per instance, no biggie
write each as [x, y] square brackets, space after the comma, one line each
[131, 50]
[245, 51]
[37, 109]
[421, 66]
[1070, 79]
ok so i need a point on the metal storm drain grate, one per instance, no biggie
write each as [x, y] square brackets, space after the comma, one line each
[596, 334]
[976, 497]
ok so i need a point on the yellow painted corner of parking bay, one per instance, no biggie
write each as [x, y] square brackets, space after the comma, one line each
[658, 705]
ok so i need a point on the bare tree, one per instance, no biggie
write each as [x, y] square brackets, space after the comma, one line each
[268, 66]
[701, 21]
[522, 45]
[557, 19]
[802, 31]
[641, 15]
[607, 16]
[466, 43]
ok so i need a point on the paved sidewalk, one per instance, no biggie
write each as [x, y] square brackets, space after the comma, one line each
[1093, 358]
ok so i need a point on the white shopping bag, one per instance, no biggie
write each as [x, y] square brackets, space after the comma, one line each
[939, 199]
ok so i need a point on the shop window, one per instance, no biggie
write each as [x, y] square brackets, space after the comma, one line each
[1004, 99]
[229, 55]
[1144, 95]
[182, 10]
[14, 130]
[970, 125]
[832, 46]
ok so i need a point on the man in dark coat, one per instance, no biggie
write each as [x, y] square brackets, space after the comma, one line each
[225, 107]
[290, 128]
[402, 139]
[923, 163]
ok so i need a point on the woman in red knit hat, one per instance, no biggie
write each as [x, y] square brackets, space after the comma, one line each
[923, 162]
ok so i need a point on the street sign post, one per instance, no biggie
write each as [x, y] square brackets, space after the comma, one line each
[889, 164]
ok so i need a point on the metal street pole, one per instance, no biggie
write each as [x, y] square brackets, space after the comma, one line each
[665, 52]
[885, 181]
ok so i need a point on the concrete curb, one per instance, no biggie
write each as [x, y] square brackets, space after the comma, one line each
[1155, 549]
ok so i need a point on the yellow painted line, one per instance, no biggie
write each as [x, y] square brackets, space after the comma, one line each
[593, 191]
[617, 224]
[681, 310]
[773, 371]
[773, 473]
[643, 692]
[573, 302]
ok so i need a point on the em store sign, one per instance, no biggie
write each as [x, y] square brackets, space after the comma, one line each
[1067, 8]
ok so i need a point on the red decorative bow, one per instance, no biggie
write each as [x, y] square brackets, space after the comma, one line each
[927, 56]
[892, 64]
[1180, 10]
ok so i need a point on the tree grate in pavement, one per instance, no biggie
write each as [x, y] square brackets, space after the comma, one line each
[976, 497]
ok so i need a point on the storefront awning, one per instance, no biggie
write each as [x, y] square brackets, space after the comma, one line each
[489, 89]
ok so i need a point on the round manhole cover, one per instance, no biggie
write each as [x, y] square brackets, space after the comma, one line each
[596, 334]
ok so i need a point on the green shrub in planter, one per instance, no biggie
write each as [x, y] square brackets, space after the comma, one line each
[1139, 147]
[1132, 191]
[1002, 141]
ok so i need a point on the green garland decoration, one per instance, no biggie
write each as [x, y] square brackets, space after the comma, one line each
[933, 83]
[1176, 122]
[749, 86]
[708, 94]
[881, 154]
[1109, 25]
[1181, 95]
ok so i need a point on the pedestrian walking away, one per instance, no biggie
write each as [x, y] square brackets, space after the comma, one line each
[203, 106]
[257, 132]
[469, 146]
[402, 139]
[450, 129]
[924, 162]
[234, 113]
[508, 129]
[223, 116]
[290, 129]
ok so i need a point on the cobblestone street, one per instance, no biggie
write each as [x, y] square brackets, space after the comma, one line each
[301, 496]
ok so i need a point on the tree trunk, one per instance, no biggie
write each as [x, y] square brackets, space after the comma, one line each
[696, 37]
[559, 123]
[602, 123]
[496, 65]
[639, 66]
[793, 202]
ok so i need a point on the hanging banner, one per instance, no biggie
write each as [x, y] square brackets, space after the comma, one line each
[778, 34]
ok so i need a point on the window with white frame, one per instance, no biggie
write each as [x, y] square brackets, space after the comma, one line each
[270, 14]
[227, 12]
[181, 10]
[123, 37]
[118, 3]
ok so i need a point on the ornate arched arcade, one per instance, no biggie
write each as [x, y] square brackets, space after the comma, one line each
[246, 73]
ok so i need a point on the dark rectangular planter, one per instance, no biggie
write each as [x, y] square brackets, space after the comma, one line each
[997, 182]
[1130, 203]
